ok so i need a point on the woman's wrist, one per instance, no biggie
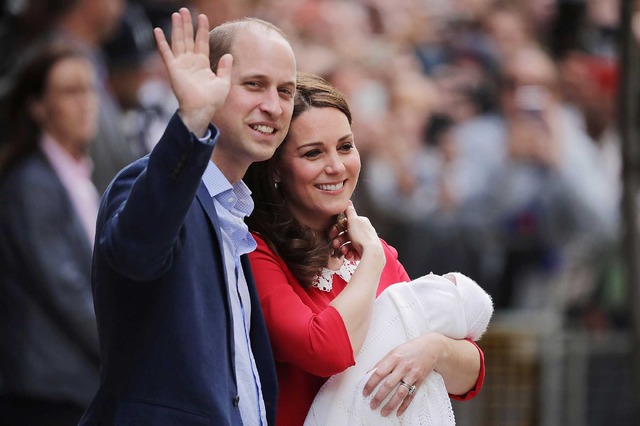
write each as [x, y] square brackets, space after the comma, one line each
[374, 253]
[437, 347]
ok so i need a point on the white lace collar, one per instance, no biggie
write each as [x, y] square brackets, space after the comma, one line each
[324, 280]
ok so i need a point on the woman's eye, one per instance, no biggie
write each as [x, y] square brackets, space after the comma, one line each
[346, 146]
[312, 154]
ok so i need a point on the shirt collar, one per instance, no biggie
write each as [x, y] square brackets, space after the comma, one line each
[236, 196]
[64, 162]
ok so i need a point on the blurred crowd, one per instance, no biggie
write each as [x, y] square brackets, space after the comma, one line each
[487, 128]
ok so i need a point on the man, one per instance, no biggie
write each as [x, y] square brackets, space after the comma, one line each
[181, 331]
[49, 356]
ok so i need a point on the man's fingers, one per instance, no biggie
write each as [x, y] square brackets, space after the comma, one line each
[177, 34]
[163, 46]
[202, 35]
[187, 29]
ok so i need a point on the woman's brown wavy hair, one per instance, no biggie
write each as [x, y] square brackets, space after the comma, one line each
[304, 251]
[29, 84]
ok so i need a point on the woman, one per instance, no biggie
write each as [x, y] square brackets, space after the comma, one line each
[49, 357]
[316, 322]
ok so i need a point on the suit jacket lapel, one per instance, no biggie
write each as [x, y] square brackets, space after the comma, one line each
[202, 194]
[205, 200]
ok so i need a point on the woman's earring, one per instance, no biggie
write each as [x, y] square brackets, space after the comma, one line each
[275, 184]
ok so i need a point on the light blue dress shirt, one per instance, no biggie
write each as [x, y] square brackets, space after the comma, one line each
[233, 203]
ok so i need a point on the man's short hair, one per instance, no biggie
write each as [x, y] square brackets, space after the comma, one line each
[221, 38]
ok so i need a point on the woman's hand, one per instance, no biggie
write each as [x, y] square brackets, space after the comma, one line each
[410, 363]
[354, 235]
[457, 361]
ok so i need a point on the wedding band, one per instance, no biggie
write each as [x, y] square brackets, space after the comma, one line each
[410, 388]
[344, 244]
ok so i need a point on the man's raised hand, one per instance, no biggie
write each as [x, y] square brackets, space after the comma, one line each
[199, 91]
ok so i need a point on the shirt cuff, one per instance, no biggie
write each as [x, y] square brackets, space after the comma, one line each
[210, 136]
[206, 138]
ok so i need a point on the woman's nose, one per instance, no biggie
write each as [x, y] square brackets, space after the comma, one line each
[334, 164]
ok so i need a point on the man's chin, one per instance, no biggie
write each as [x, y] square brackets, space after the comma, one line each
[264, 155]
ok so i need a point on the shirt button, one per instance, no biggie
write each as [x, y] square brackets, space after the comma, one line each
[236, 401]
[230, 200]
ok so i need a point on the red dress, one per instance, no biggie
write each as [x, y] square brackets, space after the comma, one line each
[308, 337]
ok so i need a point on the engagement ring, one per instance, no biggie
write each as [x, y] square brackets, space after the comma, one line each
[411, 388]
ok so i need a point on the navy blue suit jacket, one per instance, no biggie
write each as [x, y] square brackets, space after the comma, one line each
[160, 293]
[48, 338]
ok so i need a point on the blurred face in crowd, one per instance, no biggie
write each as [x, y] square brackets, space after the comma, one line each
[68, 108]
[319, 166]
[530, 81]
[105, 15]
[509, 30]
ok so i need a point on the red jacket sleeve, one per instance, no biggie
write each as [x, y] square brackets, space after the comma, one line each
[393, 271]
[302, 333]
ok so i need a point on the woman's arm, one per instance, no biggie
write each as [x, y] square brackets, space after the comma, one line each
[355, 302]
[458, 363]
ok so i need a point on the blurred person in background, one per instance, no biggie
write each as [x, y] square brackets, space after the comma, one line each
[419, 202]
[138, 80]
[508, 29]
[88, 24]
[600, 28]
[22, 25]
[534, 179]
[594, 293]
[220, 11]
[48, 205]
[408, 182]
[543, 15]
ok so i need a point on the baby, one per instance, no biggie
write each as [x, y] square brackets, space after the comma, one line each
[453, 305]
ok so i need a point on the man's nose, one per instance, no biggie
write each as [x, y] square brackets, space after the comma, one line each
[271, 102]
